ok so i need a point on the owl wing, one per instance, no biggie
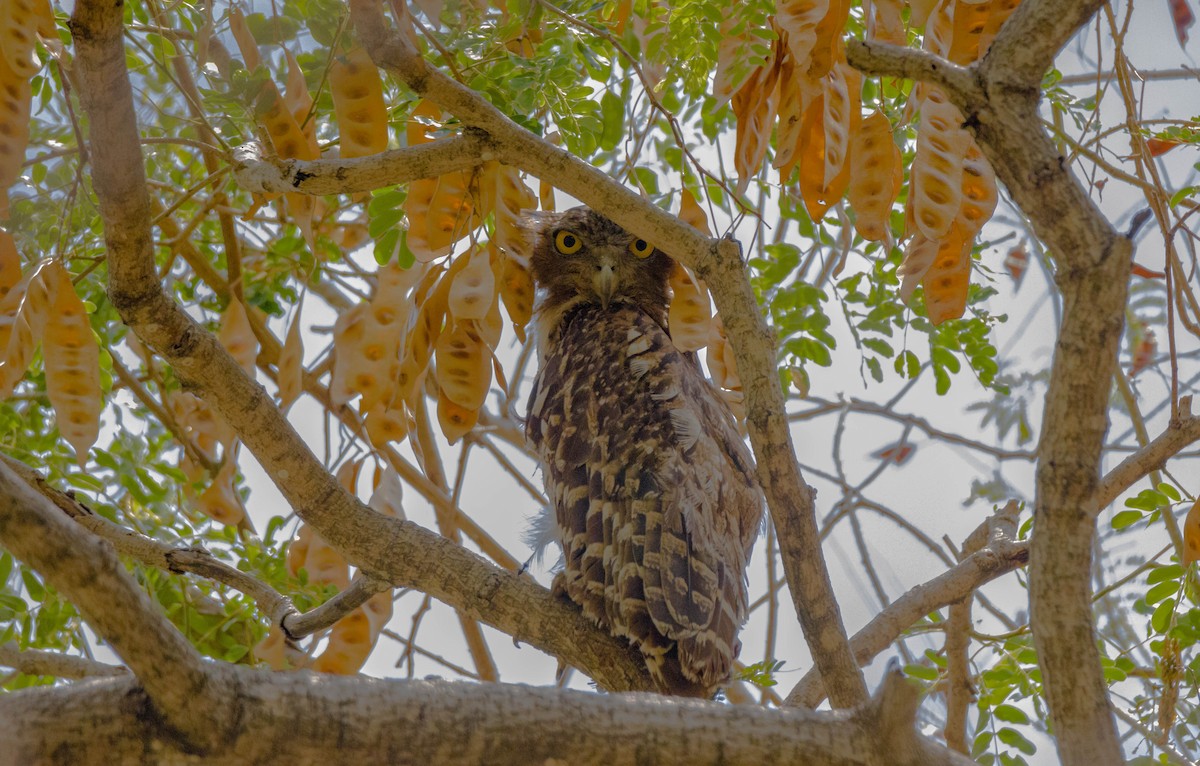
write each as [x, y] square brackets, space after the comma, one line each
[698, 548]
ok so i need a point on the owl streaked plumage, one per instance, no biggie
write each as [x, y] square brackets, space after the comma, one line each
[652, 487]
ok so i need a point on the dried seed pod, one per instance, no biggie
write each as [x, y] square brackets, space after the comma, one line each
[358, 104]
[26, 310]
[474, 288]
[15, 100]
[388, 496]
[937, 168]
[690, 315]
[244, 38]
[237, 336]
[291, 365]
[221, 501]
[464, 370]
[10, 265]
[440, 210]
[350, 643]
[978, 191]
[948, 279]
[872, 173]
[455, 420]
[72, 365]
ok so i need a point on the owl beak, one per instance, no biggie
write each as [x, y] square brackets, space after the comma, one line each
[605, 284]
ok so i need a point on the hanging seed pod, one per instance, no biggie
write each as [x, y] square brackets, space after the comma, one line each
[871, 191]
[221, 501]
[937, 167]
[464, 370]
[238, 338]
[291, 365]
[473, 290]
[948, 279]
[27, 307]
[358, 104]
[72, 365]
[456, 421]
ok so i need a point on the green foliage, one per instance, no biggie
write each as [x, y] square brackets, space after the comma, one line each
[761, 674]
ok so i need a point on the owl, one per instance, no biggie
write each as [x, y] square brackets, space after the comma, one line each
[653, 490]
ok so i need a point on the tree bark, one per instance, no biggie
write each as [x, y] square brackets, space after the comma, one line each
[307, 718]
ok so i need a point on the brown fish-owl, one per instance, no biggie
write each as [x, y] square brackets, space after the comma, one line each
[653, 490]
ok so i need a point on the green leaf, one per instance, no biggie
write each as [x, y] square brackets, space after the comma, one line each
[923, 672]
[1014, 738]
[879, 346]
[1161, 619]
[1170, 492]
[1162, 590]
[1126, 518]
[1164, 573]
[1010, 714]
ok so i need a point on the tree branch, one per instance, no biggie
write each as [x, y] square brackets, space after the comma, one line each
[1001, 555]
[719, 263]
[36, 662]
[271, 174]
[1181, 431]
[87, 572]
[436, 722]
[1093, 274]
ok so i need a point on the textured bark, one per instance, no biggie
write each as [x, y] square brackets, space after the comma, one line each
[86, 571]
[307, 718]
[999, 98]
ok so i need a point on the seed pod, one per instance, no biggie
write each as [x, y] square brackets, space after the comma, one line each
[456, 421]
[871, 191]
[948, 279]
[464, 370]
[358, 104]
[978, 191]
[10, 265]
[690, 315]
[26, 311]
[15, 100]
[937, 168]
[238, 337]
[221, 501]
[72, 365]
[473, 290]
[388, 497]
[439, 210]
[349, 645]
[291, 365]
[244, 37]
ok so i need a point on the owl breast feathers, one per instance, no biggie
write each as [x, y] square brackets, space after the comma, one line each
[653, 489]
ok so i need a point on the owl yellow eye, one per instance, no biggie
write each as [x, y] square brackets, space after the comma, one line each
[641, 248]
[567, 243]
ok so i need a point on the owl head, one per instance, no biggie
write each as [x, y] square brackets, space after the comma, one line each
[581, 257]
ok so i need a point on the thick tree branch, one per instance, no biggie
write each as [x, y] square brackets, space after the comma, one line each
[256, 173]
[400, 552]
[305, 718]
[86, 571]
[1093, 273]
[719, 263]
[876, 58]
